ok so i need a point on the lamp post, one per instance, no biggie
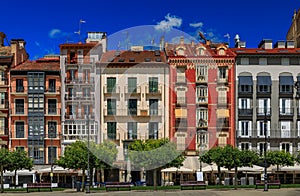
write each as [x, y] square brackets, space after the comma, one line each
[51, 135]
[265, 153]
[88, 158]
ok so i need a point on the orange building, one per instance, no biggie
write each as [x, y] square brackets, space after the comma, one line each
[35, 103]
[202, 95]
[9, 56]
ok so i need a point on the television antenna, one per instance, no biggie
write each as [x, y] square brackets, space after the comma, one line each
[228, 38]
[79, 32]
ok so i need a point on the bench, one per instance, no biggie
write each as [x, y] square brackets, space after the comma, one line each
[39, 186]
[193, 184]
[270, 183]
[118, 185]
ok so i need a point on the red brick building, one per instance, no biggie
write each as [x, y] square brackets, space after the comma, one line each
[35, 104]
[10, 56]
[202, 95]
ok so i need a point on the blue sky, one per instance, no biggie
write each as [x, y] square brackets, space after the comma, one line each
[46, 24]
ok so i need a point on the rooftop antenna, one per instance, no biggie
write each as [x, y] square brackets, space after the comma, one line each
[228, 38]
[79, 32]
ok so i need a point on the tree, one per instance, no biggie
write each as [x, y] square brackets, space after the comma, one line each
[4, 163]
[106, 154]
[76, 157]
[230, 158]
[280, 158]
[19, 161]
[154, 155]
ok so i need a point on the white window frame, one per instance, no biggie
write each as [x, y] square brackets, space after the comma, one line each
[285, 129]
[258, 124]
[242, 124]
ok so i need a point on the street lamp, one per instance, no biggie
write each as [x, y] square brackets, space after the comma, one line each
[88, 158]
[265, 152]
[51, 135]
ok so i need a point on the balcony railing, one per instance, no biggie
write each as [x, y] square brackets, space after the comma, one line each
[133, 112]
[202, 100]
[262, 111]
[80, 80]
[201, 79]
[286, 111]
[202, 124]
[79, 116]
[132, 90]
[245, 112]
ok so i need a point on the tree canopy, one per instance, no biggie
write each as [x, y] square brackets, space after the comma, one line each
[280, 158]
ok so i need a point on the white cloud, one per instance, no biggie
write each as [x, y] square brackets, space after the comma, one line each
[196, 25]
[54, 33]
[169, 23]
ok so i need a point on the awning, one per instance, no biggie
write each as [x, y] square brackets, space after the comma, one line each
[286, 80]
[222, 113]
[264, 80]
[245, 80]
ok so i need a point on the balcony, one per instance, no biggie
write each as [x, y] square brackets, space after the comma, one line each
[202, 100]
[3, 82]
[262, 111]
[202, 124]
[80, 81]
[132, 92]
[80, 98]
[247, 112]
[141, 115]
[79, 116]
[244, 133]
[201, 80]
[154, 92]
[222, 81]
[286, 113]
[4, 106]
[111, 91]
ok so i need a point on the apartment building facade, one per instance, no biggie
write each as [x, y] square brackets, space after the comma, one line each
[35, 105]
[10, 56]
[201, 103]
[267, 97]
[80, 90]
[134, 101]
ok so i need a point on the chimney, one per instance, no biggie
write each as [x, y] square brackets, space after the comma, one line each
[207, 42]
[266, 44]
[162, 43]
[193, 43]
[181, 40]
[2, 37]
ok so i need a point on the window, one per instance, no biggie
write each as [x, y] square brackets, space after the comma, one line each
[36, 81]
[285, 106]
[72, 75]
[86, 109]
[111, 85]
[86, 75]
[19, 104]
[261, 148]
[111, 130]
[264, 84]
[264, 106]
[221, 52]
[2, 100]
[36, 103]
[202, 117]
[245, 84]
[52, 85]
[2, 126]
[20, 148]
[132, 85]
[19, 129]
[201, 73]
[153, 130]
[286, 147]
[180, 52]
[245, 146]
[201, 51]
[222, 96]
[51, 106]
[132, 107]
[245, 88]
[222, 73]
[245, 128]
[86, 92]
[153, 104]
[181, 95]
[20, 87]
[111, 107]
[201, 94]
[52, 154]
[286, 89]
[285, 127]
[261, 128]
[132, 130]
[180, 76]
[153, 85]
[52, 129]
[244, 103]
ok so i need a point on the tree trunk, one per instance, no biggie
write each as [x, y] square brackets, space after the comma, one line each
[83, 179]
[154, 179]
[1, 169]
[235, 178]
[15, 180]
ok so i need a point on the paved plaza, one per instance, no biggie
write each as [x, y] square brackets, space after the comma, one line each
[219, 192]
